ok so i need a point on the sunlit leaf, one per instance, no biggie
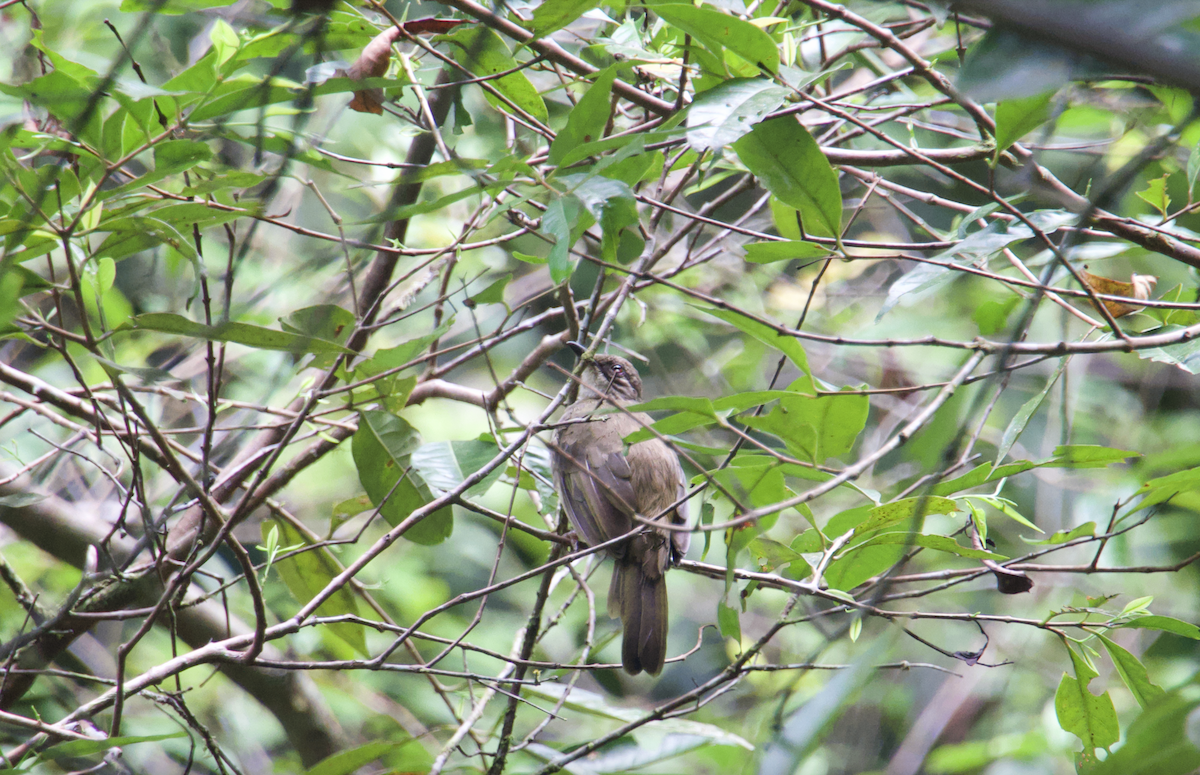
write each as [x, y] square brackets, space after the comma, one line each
[383, 446]
[484, 53]
[307, 573]
[722, 115]
[1090, 717]
[789, 163]
[587, 119]
[233, 332]
[1133, 673]
[1015, 118]
[719, 31]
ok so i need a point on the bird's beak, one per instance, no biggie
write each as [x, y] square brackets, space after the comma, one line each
[577, 348]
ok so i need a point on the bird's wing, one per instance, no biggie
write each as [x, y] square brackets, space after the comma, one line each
[658, 473]
[680, 541]
[595, 483]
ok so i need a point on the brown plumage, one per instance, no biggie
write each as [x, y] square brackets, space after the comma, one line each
[603, 482]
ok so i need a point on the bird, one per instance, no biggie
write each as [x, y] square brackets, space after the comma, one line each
[603, 482]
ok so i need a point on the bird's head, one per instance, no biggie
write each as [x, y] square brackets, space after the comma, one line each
[608, 375]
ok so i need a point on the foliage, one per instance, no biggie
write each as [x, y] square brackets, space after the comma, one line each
[278, 377]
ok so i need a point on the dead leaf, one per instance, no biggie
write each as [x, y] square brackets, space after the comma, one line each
[431, 25]
[377, 55]
[1138, 287]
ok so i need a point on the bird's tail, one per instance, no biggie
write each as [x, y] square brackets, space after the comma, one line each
[638, 596]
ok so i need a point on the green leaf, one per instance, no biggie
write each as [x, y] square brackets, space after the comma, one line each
[635, 144]
[789, 346]
[100, 277]
[1165, 624]
[938, 543]
[64, 96]
[553, 15]
[172, 156]
[409, 352]
[763, 484]
[350, 507]
[494, 293]
[992, 316]
[11, 283]
[235, 333]
[815, 428]
[1193, 168]
[634, 169]
[740, 402]
[73, 748]
[906, 510]
[308, 573]
[788, 162]
[481, 51]
[135, 234]
[1017, 425]
[1175, 317]
[1133, 673]
[537, 461]
[1156, 195]
[770, 252]
[1185, 355]
[1007, 508]
[322, 321]
[382, 448]
[415, 758]
[771, 556]
[1088, 456]
[1015, 118]
[786, 220]
[588, 118]
[694, 404]
[981, 474]
[245, 92]
[1063, 536]
[1090, 717]
[224, 39]
[718, 31]
[975, 755]
[173, 6]
[724, 114]
[557, 222]
[688, 412]
[861, 563]
[1163, 488]
[978, 520]
[286, 143]
[227, 180]
[458, 166]
[610, 203]
[445, 464]
[325, 322]
[1158, 742]
[729, 621]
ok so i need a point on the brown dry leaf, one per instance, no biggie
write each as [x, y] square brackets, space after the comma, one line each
[1138, 287]
[431, 25]
[376, 55]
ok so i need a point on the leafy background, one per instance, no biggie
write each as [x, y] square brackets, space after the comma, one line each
[284, 293]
